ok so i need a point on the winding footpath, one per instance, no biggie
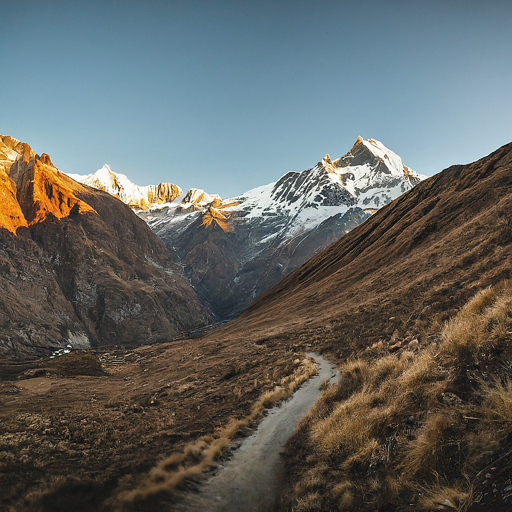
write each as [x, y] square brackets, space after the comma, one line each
[251, 480]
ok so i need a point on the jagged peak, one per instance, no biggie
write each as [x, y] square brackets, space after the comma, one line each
[120, 186]
[45, 159]
[199, 196]
[358, 141]
[9, 141]
[365, 150]
[327, 159]
[11, 149]
[105, 173]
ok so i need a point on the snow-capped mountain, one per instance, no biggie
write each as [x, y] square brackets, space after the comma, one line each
[368, 176]
[118, 185]
[235, 249]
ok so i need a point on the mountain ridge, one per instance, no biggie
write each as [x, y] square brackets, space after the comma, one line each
[118, 185]
[235, 249]
[78, 267]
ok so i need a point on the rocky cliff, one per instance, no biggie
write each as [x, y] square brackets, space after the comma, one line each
[78, 267]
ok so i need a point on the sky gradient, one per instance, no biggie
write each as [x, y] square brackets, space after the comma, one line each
[230, 95]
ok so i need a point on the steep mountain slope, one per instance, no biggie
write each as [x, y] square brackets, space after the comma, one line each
[78, 267]
[427, 250]
[234, 250]
[419, 300]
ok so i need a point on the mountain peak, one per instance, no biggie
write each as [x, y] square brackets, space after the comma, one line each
[104, 172]
[11, 149]
[45, 159]
[199, 196]
[358, 141]
[118, 185]
[327, 159]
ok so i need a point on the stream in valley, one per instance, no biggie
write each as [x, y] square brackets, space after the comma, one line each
[252, 478]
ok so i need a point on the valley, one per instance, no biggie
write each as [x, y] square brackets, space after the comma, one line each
[234, 250]
[413, 305]
[78, 431]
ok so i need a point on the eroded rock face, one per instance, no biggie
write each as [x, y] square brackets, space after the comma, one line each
[160, 194]
[79, 268]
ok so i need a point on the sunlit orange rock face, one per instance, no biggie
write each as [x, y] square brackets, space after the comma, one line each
[12, 149]
[78, 268]
[11, 215]
[31, 187]
[162, 193]
[214, 216]
[43, 190]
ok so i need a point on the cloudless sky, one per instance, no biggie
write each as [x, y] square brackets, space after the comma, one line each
[229, 95]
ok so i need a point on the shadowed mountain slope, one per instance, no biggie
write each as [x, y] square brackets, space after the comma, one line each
[416, 306]
[234, 250]
[78, 267]
[423, 253]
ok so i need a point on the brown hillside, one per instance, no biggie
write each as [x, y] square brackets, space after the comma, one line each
[420, 420]
[426, 252]
[78, 267]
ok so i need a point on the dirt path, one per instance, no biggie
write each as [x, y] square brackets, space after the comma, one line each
[252, 478]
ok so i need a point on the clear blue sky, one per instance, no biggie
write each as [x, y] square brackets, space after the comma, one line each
[229, 95]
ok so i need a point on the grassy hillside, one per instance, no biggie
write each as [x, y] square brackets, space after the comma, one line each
[410, 430]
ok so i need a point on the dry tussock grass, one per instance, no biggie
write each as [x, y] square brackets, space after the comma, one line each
[497, 403]
[425, 450]
[439, 497]
[200, 455]
[408, 428]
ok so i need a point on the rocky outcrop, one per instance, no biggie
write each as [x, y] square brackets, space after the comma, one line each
[159, 194]
[78, 267]
[118, 185]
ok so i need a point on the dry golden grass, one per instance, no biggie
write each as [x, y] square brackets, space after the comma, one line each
[442, 498]
[407, 429]
[426, 448]
[496, 407]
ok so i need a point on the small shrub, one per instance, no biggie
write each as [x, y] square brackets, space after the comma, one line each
[497, 403]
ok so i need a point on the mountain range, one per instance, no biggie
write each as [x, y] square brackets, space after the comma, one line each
[233, 250]
[414, 305]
